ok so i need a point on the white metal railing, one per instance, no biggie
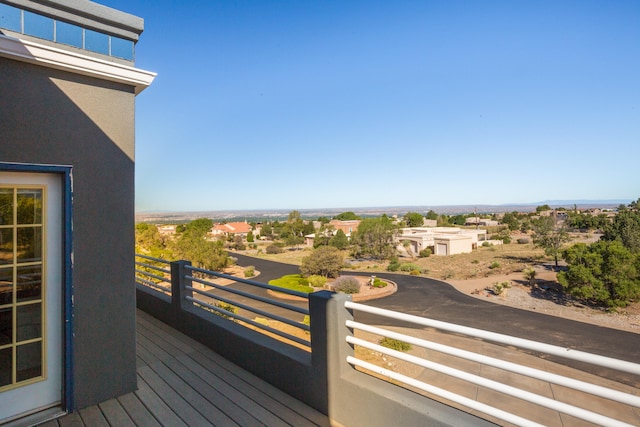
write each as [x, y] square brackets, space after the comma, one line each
[596, 390]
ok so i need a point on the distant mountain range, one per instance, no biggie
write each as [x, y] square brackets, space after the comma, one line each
[259, 215]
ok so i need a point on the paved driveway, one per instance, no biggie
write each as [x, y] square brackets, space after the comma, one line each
[438, 300]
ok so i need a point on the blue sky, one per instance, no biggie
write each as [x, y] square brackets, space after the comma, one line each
[328, 104]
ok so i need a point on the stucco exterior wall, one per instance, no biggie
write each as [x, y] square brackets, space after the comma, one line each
[54, 117]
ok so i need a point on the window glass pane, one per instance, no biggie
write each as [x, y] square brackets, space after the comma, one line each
[29, 206]
[29, 286]
[6, 246]
[29, 244]
[5, 366]
[28, 322]
[6, 286]
[122, 48]
[6, 325]
[96, 42]
[28, 361]
[38, 25]
[68, 34]
[10, 18]
[6, 206]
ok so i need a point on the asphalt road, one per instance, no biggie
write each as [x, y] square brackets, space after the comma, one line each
[440, 301]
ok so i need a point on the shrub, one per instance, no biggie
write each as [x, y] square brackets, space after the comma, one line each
[395, 344]
[394, 264]
[529, 275]
[317, 281]
[486, 244]
[409, 267]
[475, 261]
[347, 285]
[377, 283]
[499, 288]
[425, 253]
[324, 261]
[494, 265]
[274, 249]
[249, 271]
[414, 272]
[523, 240]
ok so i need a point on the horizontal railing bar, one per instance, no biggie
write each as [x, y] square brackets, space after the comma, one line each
[494, 385]
[568, 353]
[147, 274]
[250, 308]
[250, 282]
[453, 397]
[250, 295]
[149, 283]
[150, 258]
[154, 267]
[251, 322]
[583, 386]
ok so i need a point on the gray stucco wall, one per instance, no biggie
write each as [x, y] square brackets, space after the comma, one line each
[53, 117]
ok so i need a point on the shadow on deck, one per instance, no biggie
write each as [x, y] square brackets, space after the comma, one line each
[183, 383]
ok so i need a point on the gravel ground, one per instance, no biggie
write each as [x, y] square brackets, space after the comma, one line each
[545, 297]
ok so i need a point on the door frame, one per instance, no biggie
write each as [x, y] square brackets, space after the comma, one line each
[66, 175]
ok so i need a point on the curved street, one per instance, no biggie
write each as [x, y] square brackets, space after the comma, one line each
[438, 300]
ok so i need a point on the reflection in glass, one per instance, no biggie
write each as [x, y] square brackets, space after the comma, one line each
[6, 365]
[38, 25]
[6, 325]
[96, 42]
[28, 322]
[29, 283]
[10, 18]
[68, 34]
[29, 245]
[122, 48]
[29, 206]
[6, 205]
[28, 361]
[6, 286]
[6, 246]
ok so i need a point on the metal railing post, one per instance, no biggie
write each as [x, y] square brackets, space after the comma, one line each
[179, 292]
[329, 347]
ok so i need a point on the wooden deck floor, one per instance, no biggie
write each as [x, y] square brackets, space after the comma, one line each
[183, 383]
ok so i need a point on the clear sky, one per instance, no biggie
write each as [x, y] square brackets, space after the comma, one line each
[327, 104]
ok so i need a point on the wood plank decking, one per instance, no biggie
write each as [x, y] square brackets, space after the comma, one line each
[183, 383]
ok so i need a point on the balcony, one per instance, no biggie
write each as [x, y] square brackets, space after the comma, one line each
[461, 376]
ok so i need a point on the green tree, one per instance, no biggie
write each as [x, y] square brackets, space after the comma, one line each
[625, 228]
[339, 240]
[550, 236]
[374, 238]
[266, 231]
[346, 216]
[413, 219]
[325, 261]
[511, 220]
[603, 273]
[432, 215]
[192, 245]
[250, 237]
[542, 208]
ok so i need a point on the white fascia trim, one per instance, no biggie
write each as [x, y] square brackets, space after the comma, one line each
[35, 53]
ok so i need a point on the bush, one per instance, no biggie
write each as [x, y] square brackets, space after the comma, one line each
[499, 288]
[377, 283]
[486, 244]
[324, 261]
[425, 253]
[409, 267]
[394, 264]
[475, 261]
[523, 240]
[414, 272]
[274, 249]
[395, 344]
[317, 281]
[294, 282]
[494, 265]
[347, 285]
[249, 271]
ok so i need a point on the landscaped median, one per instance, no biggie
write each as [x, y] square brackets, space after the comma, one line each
[361, 288]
